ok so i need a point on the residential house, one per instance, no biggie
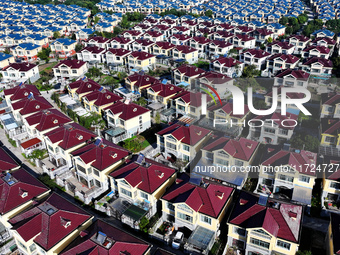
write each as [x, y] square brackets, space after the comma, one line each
[154, 36]
[278, 62]
[19, 190]
[319, 67]
[20, 72]
[84, 34]
[5, 60]
[98, 100]
[276, 128]
[63, 47]
[125, 121]
[26, 51]
[217, 81]
[120, 42]
[326, 42]
[329, 130]
[102, 238]
[179, 39]
[140, 82]
[291, 78]
[49, 226]
[228, 66]
[162, 93]
[286, 172]
[82, 87]
[316, 51]
[144, 45]
[98, 41]
[104, 27]
[280, 47]
[201, 44]
[330, 198]
[181, 142]
[94, 161]
[186, 74]
[70, 69]
[243, 41]
[256, 57]
[185, 53]
[218, 47]
[60, 142]
[330, 105]
[190, 205]
[323, 33]
[265, 226]
[142, 183]
[140, 60]
[91, 54]
[163, 48]
[180, 30]
[262, 35]
[299, 41]
[116, 56]
[277, 28]
[132, 34]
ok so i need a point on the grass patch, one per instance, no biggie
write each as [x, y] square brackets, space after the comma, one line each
[49, 182]
[11, 141]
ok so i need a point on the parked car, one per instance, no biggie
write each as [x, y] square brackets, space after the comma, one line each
[176, 243]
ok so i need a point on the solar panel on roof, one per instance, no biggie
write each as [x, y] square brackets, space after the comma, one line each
[263, 200]
[30, 96]
[101, 88]
[98, 142]
[140, 158]
[101, 237]
[7, 177]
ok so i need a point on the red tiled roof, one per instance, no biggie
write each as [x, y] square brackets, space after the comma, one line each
[225, 26]
[11, 195]
[21, 67]
[283, 45]
[165, 90]
[263, 31]
[224, 34]
[181, 37]
[330, 98]
[181, 29]
[328, 40]
[241, 149]
[103, 155]
[220, 44]
[142, 80]
[48, 229]
[84, 86]
[215, 78]
[35, 104]
[20, 92]
[6, 161]
[185, 49]
[47, 119]
[201, 39]
[189, 135]
[193, 98]
[285, 57]
[141, 55]
[324, 62]
[123, 243]
[30, 143]
[321, 49]
[132, 32]
[148, 177]
[210, 200]
[126, 111]
[289, 95]
[301, 160]
[93, 50]
[121, 40]
[144, 42]
[70, 135]
[73, 63]
[244, 29]
[301, 38]
[278, 222]
[153, 33]
[102, 97]
[257, 53]
[244, 37]
[118, 52]
[227, 107]
[189, 70]
[227, 62]
[99, 39]
[298, 74]
[165, 45]
[330, 126]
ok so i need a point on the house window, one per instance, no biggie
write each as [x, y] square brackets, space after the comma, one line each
[74, 71]
[97, 183]
[259, 243]
[186, 147]
[238, 163]
[144, 195]
[96, 172]
[335, 185]
[186, 158]
[32, 247]
[329, 139]
[185, 208]
[303, 178]
[184, 217]
[22, 246]
[283, 131]
[126, 192]
[170, 206]
[239, 231]
[222, 162]
[171, 146]
[81, 169]
[206, 219]
[269, 130]
[283, 245]
[50, 148]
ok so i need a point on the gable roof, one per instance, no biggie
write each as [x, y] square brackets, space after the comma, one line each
[298, 74]
[46, 221]
[332, 98]
[290, 59]
[73, 63]
[324, 62]
[126, 111]
[47, 119]
[101, 155]
[284, 223]
[21, 67]
[11, 192]
[21, 91]
[31, 105]
[209, 200]
[330, 126]
[84, 86]
[102, 97]
[190, 70]
[227, 61]
[6, 161]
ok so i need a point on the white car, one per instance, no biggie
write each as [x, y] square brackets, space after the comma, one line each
[176, 243]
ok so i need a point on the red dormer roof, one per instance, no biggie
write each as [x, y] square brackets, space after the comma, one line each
[142, 80]
[46, 223]
[324, 62]
[73, 63]
[147, 177]
[127, 111]
[201, 40]
[290, 59]
[14, 185]
[93, 50]
[165, 90]
[208, 200]
[21, 67]
[185, 49]
[47, 119]
[21, 91]
[119, 52]
[70, 135]
[257, 53]
[165, 45]
[283, 45]
[84, 86]
[31, 105]
[227, 62]
[241, 149]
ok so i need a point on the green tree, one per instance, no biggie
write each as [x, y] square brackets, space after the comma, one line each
[303, 252]
[269, 40]
[37, 154]
[209, 13]
[143, 224]
[306, 142]
[125, 22]
[302, 18]
[141, 101]
[79, 47]
[158, 118]
[96, 20]
[44, 53]
[250, 72]
[283, 21]
[56, 34]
